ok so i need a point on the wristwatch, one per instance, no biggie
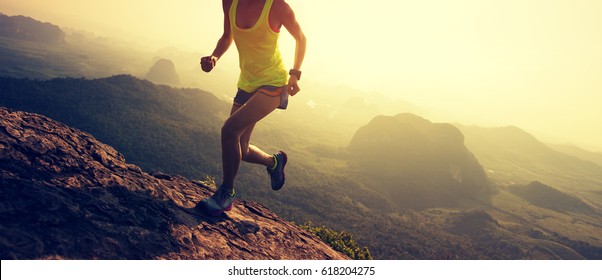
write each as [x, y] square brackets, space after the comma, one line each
[295, 73]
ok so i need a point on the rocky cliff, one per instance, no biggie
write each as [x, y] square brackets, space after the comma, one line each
[65, 195]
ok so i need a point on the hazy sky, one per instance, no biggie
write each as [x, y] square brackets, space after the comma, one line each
[536, 64]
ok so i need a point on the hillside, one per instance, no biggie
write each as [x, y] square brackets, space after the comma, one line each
[548, 197]
[157, 127]
[29, 29]
[513, 156]
[65, 195]
[578, 152]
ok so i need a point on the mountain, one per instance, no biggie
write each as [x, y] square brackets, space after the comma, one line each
[418, 163]
[26, 28]
[158, 127]
[65, 195]
[578, 152]
[512, 155]
[545, 196]
[163, 72]
[36, 50]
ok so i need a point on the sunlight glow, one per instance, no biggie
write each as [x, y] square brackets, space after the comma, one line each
[536, 64]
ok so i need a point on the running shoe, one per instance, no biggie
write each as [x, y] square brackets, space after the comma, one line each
[277, 174]
[219, 202]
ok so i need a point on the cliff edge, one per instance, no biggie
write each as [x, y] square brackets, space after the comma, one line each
[65, 195]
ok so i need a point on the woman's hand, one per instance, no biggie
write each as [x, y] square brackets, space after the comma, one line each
[208, 62]
[292, 87]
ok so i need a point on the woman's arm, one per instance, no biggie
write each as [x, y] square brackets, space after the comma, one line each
[290, 22]
[224, 42]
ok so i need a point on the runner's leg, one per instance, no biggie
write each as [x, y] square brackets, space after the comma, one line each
[251, 153]
[241, 120]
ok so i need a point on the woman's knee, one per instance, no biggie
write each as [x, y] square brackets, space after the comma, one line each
[229, 133]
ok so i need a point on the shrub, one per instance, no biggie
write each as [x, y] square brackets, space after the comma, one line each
[341, 241]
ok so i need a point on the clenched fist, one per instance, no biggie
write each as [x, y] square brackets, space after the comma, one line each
[208, 62]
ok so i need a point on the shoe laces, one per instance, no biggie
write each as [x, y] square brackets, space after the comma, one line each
[221, 195]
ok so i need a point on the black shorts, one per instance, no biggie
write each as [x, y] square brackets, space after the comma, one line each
[242, 96]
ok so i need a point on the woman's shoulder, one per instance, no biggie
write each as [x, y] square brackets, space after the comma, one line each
[281, 6]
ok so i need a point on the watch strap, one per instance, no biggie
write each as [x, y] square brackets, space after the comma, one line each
[295, 73]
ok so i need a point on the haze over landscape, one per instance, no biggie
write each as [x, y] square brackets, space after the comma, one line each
[533, 64]
[428, 130]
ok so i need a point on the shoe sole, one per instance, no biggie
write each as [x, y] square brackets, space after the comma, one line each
[217, 213]
[283, 175]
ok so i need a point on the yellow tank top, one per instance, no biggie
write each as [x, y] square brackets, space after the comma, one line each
[259, 57]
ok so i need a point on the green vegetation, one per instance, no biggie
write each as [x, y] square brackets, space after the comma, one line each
[156, 127]
[340, 241]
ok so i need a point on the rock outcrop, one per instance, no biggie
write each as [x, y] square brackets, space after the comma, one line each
[419, 163]
[163, 72]
[65, 195]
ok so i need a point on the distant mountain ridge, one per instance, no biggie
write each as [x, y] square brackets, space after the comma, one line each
[26, 28]
[64, 195]
[512, 155]
[595, 157]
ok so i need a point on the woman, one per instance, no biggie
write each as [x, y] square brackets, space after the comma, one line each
[263, 85]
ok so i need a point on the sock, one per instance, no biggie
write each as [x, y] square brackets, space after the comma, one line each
[275, 163]
[228, 188]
